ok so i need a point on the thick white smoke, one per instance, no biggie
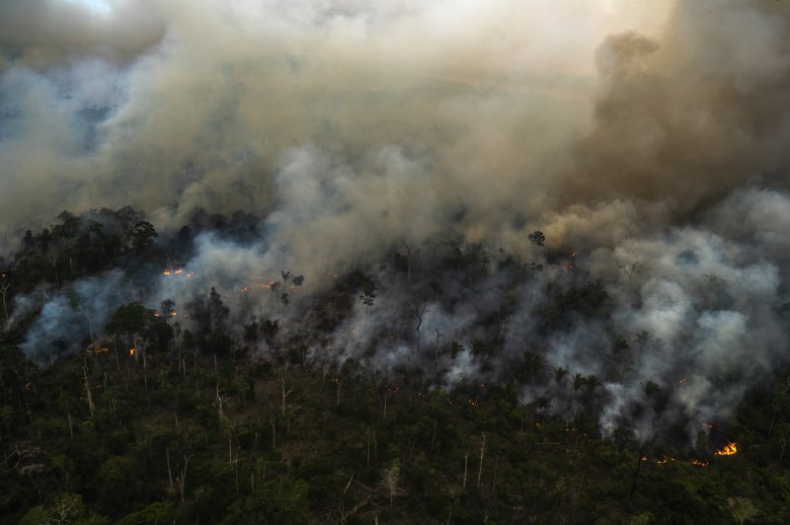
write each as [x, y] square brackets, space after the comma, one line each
[650, 138]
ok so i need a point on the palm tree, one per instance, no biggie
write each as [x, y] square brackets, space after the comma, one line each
[577, 381]
[533, 365]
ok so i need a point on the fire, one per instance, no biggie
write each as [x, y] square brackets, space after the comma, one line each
[682, 382]
[667, 459]
[132, 351]
[473, 402]
[177, 271]
[728, 450]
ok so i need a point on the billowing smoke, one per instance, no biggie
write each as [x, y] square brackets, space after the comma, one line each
[648, 139]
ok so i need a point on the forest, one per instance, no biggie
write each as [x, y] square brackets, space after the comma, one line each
[423, 388]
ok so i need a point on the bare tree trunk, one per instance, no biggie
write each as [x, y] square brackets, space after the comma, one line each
[496, 467]
[183, 477]
[4, 286]
[636, 473]
[145, 369]
[367, 461]
[285, 394]
[466, 462]
[482, 455]
[170, 473]
[71, 429]
[88, 394]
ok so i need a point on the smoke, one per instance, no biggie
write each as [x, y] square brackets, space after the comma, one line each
[651, 140]
[72, 317]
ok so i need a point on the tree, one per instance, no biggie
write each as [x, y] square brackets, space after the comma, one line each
[142, 236]
[533, 365]
[390, 478]
[651, 388]
[368, 296]
[577, 381]
[537, 238]
[5, 285]
[217, 310]
[130, 319]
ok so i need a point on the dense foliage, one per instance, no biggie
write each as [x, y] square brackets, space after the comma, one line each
[149, 426]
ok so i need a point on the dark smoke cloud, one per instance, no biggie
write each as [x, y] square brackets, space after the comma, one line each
[649, 138]
[686, 117]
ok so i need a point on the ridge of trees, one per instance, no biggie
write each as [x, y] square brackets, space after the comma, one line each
[153, 423]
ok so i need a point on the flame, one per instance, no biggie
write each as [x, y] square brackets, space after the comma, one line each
[179, 271]
[666, 459]
[473, 402]
[166, 272]
[190, 273]
[682, 382]
[573, 255]
[132, 351]
[728, 450]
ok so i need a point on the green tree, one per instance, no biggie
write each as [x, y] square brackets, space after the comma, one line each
[142, 236]
[537, 238]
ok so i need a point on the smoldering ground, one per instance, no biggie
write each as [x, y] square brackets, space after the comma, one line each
[648, 139]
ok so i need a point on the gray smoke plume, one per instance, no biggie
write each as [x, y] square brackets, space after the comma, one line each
[649, 139]
[71, 317]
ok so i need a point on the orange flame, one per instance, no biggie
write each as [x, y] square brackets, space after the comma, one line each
[132, 352]
[666, 459]
[728, 450]
[682, 382]
[179, 271]
[166, 272]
